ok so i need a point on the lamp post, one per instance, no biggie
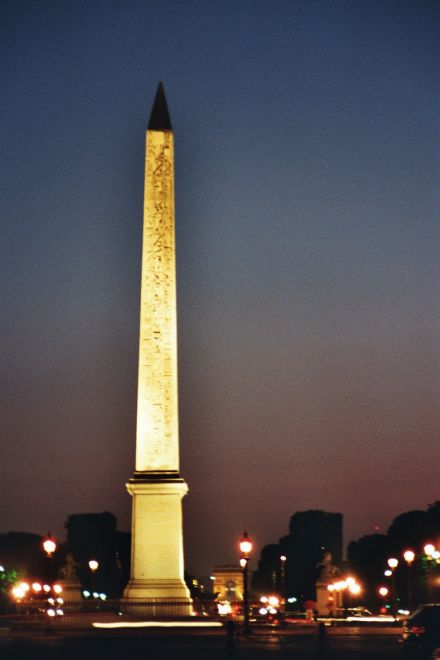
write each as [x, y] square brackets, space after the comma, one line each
[429, 550]
[393, 563]
[245, 549]
[283, 560]
[49, 546]
[93, 565]
[383, 593]
[409, 556]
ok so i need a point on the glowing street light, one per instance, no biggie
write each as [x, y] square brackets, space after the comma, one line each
[355, 589]
[283, 560]
[245, 549]
[349, 585]
[18, 593]
[245, 546]
[409, 556]
[383, 591]
[429, 551]
[93, 565]
[49, 545]
[393, 564]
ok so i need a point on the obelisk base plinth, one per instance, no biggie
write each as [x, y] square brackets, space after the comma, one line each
[157, 586]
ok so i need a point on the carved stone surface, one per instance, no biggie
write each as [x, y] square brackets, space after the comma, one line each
[157, 444]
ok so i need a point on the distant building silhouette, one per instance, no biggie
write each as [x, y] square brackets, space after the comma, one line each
[94, 536]
[311, 534]
[22, 552]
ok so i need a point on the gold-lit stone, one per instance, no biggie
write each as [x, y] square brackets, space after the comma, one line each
[157, 490]
[157, 442]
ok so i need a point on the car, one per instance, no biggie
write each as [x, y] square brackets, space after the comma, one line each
[361, 614]
[421, 633]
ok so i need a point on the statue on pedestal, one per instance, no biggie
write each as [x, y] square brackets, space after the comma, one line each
[326, 602]
[69, 580]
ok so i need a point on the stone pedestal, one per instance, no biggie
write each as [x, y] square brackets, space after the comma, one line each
[72, 590]
[157, 571]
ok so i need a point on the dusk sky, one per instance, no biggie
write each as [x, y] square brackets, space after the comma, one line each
[308, 240]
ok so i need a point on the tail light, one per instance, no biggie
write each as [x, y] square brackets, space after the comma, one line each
[417, 630]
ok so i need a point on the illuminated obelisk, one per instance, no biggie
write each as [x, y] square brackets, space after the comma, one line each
[156, 486]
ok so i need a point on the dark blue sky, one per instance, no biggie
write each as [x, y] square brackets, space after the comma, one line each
[307, 197]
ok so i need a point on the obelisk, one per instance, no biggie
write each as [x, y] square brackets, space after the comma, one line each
[156, 485]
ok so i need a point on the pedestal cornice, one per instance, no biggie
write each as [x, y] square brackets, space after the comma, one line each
[166, 483]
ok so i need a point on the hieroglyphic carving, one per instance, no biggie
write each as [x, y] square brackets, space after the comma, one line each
[157, 417]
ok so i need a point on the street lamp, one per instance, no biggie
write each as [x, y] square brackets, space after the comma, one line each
[49, 546]
[93, 565]
[409, 556]
[283, 560]
[429, 551]
[393, 563]
[245, 549]
[383, 593]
